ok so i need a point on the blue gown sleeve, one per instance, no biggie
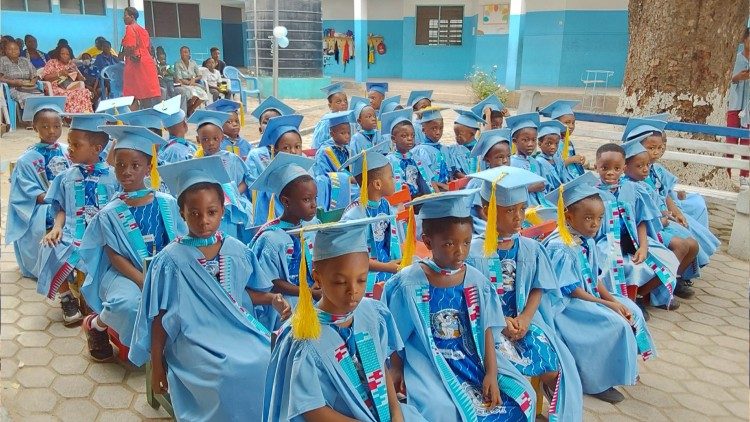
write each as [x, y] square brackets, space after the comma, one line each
[56, 192]
[390, 340]
[321, 133]
[398, 305]
[259, 280]
[270, 255]
[305, 389]
[564, 265]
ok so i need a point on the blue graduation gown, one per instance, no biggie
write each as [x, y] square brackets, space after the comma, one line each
[419, 136]
[461, 159]
[27, 221]
[429, 387]
[553, 171]
[534, 271]
[239, 147]
[305, 375]
[572, 170]
[177, 150]
[238, 217]
[212, 348]
[436, 158]
[693, 205]
[329, 158]
[361, 142]
[530, 164]
[321, 134]
[410, 172]
[109, 293]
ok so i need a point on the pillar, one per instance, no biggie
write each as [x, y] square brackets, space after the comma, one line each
[515, 44]
[360, 40]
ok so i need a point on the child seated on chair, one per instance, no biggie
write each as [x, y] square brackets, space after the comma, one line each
[492, 150]
[417, 101]
[523, 132]
[337, 102]
[29, 216]
[135, 225]
[178, 148]
[497, 109]
[562, 111]
[551, 165]
[431, 152]
[521, 274]
[195, 321]
[450, 319]
[330, 156]
[332, 362]
[259, 156]
[232, 141]
[407, 171]
[367, 134]
[465, 128]
[213, 78]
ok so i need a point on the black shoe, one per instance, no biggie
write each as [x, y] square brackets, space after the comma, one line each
[642, 306]
[100, 348]
[683, 290]
[610, 395]
[71, 312]
[673, 305]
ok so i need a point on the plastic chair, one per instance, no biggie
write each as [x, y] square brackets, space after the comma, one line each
[113, 75]
[235, 84]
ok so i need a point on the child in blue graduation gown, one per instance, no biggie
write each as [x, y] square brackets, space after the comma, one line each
[135, 225]
[332, 361]
[259, 157]
[29, 216]
[196, 321]
[597, 327]
[450, 318]
[330, 157]
[376, 95]
[551, 164]
[465, 128]
[562, 111]
[177, 148]
[497, 111]
[407, 171]
[417, 101]
[232, 142]
[367, 134]
[523, 132]
[521, 274]
[337, 102]
[287, 178]
[76, 195]
[431, 153]
[376, 183]
[492, 150]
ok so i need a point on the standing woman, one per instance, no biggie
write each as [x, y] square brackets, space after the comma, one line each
[738, 110]
[139, 77]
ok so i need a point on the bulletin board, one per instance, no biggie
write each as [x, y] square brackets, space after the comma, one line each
[494, 17]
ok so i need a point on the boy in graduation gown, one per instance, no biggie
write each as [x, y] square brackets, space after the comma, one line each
[337, 102]
[522, 276]
[138, 223]
[332, 361]
[178, 148]
[330, 156]
[417, 101]
[465, 128]
[233, 141]
[375, 95]
[552, 166]
[497, 111]
[195, 321]
[449, 316]
[523, 132]
[562, 111]
[407, 171]
[388, 105]
[259, 157]
[367, 134]
[492, 150]
[29, 216]
[431, 153]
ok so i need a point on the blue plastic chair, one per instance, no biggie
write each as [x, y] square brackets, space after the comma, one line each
[113, 75]
[235, 84]
[12, 105]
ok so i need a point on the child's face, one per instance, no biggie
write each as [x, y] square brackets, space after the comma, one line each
[549, 144]
[338, 102]
[496, 122]
[231, 127]
[510, 218]
[498, 155]
[162, 58]
[585, 216]
[81, 150]
[376, 99]
[610, 166]
[638, 166]
[300, 201]
[433, 130]
[341, 134]
[265, 117]
[210, 136]
[450, 247]
[179, 130]
[568, 120]
[654, 144]
[290, 142]
[525, 140]
[131, 167]
[403, 137]
[202, 210]
[464, 134]
[423, 103]
[387, 182]
[367, 119]
[343, 280]
[48, 126]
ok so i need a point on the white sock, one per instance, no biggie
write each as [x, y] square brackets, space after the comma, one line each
[95, 323]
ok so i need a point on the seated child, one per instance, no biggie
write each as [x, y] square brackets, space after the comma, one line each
[178, 148]
[29, 216]
[337, 102]
[521, 274]
[431, 153]
[331, 362]
[135, 225]
[259, 156]
[388, 105]
[492, 150]
[497, 109]
[76, 195]
[149, 118]
[450, 317]
[562, 111]
[523, 131]
[407, 171]
[376, 94]
[375, 184]
[368, 134]
[278, 254]
[597, 328]
[233, 141]
[419, 100]
[195, 321]
[337, 150]
[551, 164]
[465, 128]
[213, 78]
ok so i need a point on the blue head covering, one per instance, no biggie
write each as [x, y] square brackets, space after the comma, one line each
[381, 87]
[638, 126]
[577, 189]
[391, 119]
[559, 108]
[550, 127]
[272, 103]
[357, 104]
[147, 117]
[172, 114]
[90, 122]
[180, 176]
[429, 114]
[134, 137]
[511, 184]
[224, 105]
[416, 96]
[488, 139]
[282, 170]
[119, 105]
[340, 238]
[522, 121]
[491, 102]
[445, 204]
[634, 147]
[389, 104]
[41, 102]
[339, 118]
[333, 88]
[375, 160]
[277, 126]
[469, 119]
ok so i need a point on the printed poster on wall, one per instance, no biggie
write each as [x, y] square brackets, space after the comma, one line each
[494, 17]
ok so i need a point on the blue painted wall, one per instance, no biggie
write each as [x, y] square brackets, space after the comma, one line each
[387, 65]
[491, 50]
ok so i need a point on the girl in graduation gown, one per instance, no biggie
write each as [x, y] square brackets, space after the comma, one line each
[522, 276]
[449, 317]
[407, 171]
[337, 102]
[196, 321]
[465, 128]
[572, 163]
[523, 132]
[492, 150]
[551, 164]
[332, 360]
[367, 135]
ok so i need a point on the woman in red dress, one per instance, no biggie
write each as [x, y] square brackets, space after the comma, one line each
[139, 77]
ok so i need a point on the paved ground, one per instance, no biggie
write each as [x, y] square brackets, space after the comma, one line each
[701, 372]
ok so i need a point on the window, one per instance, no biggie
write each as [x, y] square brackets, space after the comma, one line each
[172, 20]
[86, 7]
[26, 5]
[440, 25]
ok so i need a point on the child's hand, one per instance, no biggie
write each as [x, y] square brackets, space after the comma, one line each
[159, 378]
[393, 266]
[681, 195]
[523, 327]
[680, 219]
[664, 221]
[397, 376]
[640, 255]
[491, 390]
[281, 306]
[511, 328]
[620, 309]
[53, 237]
[441, 187]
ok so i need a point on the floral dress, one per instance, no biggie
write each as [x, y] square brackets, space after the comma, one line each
[78, 100]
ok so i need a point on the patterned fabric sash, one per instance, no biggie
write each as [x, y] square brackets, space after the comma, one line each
[588, 274]
[616, 260]
[404, 160]
[332, 157]
[133, 231]
[335, 189]
[394, 247]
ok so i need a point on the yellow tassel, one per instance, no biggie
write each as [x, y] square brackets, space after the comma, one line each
[363, 198]
[155, 181]
[490, 234]
[271, 208]
[512, 148]
[242, 115]
[254, 201]
[566, 145]
[305, 324]
[532, 217]
[199, 152]
[410, 243]
[565, 235]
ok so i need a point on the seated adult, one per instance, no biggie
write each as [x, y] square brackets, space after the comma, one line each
[60, 43]
[38, 58]
[106, 57]
[18, 73]
[186, 72]
[99, 47]
[218, 64]
[66, 80]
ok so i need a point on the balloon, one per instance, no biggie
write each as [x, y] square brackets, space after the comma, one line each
[279, 32]
[283, 42]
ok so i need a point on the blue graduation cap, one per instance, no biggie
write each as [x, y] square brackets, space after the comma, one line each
[638, 126]
[339, 238]
[134, 137]
[272, 103]
[148, 117]
[416, 96]
[577, 189]
[559, 108]
[550, 127]
[172, 114]
[282, 170]
[389, 104]
[339, 118]
[90, 122]
[203, 117]
[277, 126]
[357, 104]
[634, 147]
[488, 139]
[119, 105]
[429, 114]
[391, 119]
[509, 183]
[41, 102]
[522, 121]
[224, 105]
[491, 102]
[542, 213]
[333, 88]
[375, 160]
[381, 87]
[180, 176]
[469, 119]
[445, 204]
